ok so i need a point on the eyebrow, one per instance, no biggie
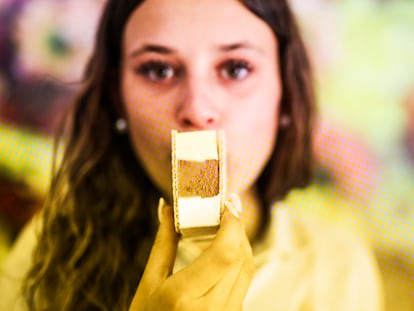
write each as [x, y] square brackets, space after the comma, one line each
[238, 46]
[160, 49]
[154, 48]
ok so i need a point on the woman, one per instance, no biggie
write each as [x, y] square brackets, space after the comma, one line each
[239, 66]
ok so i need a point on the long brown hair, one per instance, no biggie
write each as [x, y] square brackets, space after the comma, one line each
[98, 223]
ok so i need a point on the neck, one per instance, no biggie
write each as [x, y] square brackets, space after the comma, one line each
[252, 212]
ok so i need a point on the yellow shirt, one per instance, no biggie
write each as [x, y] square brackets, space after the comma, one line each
[303, 264]
[306, 264]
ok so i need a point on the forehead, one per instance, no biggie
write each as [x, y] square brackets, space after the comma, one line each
[197, 22]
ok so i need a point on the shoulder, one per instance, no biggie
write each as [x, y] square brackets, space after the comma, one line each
[16, 265]
[344, 266]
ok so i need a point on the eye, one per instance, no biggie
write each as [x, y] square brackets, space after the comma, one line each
[157, 71]
[235, 70]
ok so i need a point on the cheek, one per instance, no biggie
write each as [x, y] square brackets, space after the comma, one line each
[148, 113]
[149, 130]
[251, 140]
[141, 104]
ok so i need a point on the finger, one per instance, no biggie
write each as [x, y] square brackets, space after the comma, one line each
[230, 291]
[208, 269]
[162, 257]
[236, 205]
[219, 294]
[244, 278]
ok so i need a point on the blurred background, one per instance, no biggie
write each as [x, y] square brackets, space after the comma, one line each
[362, 52]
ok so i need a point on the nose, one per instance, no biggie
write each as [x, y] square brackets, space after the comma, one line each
[198, 110]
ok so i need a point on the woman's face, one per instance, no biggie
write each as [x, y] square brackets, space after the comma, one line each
[200, 65]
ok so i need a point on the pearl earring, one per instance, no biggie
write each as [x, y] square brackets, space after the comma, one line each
[284, 121]
[121, 125]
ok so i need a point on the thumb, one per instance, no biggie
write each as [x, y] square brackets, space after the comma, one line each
[162, 257]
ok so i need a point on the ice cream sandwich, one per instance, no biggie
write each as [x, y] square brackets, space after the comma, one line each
[198, 181]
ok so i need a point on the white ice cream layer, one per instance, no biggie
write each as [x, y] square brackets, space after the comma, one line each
[199, 212]
[196, 146]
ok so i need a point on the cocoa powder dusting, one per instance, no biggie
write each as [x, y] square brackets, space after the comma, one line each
[198, 178]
